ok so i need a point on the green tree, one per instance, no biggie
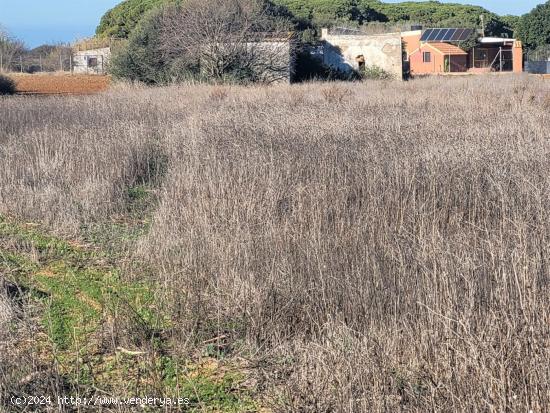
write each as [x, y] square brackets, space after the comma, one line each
[511, 23]
[122, 19]
[436, 14]
[534, 28]
[140, 59]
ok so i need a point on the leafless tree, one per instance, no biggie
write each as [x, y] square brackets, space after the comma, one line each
[56, 58]
[9, 49]
[241, 38]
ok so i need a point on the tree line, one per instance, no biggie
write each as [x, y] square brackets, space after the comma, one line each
[309, 15]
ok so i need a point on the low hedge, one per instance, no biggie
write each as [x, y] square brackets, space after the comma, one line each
[7, 85]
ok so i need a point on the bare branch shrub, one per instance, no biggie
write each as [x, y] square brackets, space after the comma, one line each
[237, 38]
[10, 47]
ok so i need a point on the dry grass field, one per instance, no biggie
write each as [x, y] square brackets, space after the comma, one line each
[59, 83]
[313, 248]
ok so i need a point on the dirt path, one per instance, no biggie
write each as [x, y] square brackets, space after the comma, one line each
[60, 84]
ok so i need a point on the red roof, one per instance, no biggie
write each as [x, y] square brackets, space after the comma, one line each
[448, 49]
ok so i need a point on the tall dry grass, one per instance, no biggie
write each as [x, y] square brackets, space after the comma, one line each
[376, 247]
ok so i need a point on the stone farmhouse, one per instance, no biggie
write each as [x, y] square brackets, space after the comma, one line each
[420, 52]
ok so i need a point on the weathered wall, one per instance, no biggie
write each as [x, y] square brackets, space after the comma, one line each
[342, 51]
[275, 60]
[82, 59]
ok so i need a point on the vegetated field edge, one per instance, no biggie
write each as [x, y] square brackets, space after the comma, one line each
[78, 294]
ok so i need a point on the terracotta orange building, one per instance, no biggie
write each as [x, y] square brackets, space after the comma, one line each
[435, 51]
[438, 58]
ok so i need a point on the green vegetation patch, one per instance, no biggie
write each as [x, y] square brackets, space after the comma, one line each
[81, 289]
[79, 293]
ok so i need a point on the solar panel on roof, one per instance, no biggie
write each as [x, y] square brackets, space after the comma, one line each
[441, 35]
[425, 35]
[435, 33]
[457, 35]
[449, 34]
[464, 36]
[446, 35]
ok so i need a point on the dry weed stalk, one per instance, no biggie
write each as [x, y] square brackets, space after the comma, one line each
[384, 250]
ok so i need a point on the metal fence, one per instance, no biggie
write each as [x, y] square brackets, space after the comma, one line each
[33, 63]
[87, 56]
[538, 61]
[542, 54]
[541, 68]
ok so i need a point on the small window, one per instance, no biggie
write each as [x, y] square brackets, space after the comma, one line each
[92, 62]
[427, 57]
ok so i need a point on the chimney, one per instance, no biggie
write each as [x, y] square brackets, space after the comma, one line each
[324, 33]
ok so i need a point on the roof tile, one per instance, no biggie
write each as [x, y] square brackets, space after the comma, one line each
[448, 49]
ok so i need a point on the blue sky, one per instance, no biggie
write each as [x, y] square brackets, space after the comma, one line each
[52, 21]
[516, 7]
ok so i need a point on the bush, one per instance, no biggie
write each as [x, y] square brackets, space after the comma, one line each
[170, 44]
[376, 73]
[7, 85]
[140, 58]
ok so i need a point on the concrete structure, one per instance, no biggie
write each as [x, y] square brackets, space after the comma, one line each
[411, 42]
[353, 50]
[93, 61]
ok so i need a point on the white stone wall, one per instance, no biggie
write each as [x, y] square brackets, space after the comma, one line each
[341, 51]
[82, 61]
